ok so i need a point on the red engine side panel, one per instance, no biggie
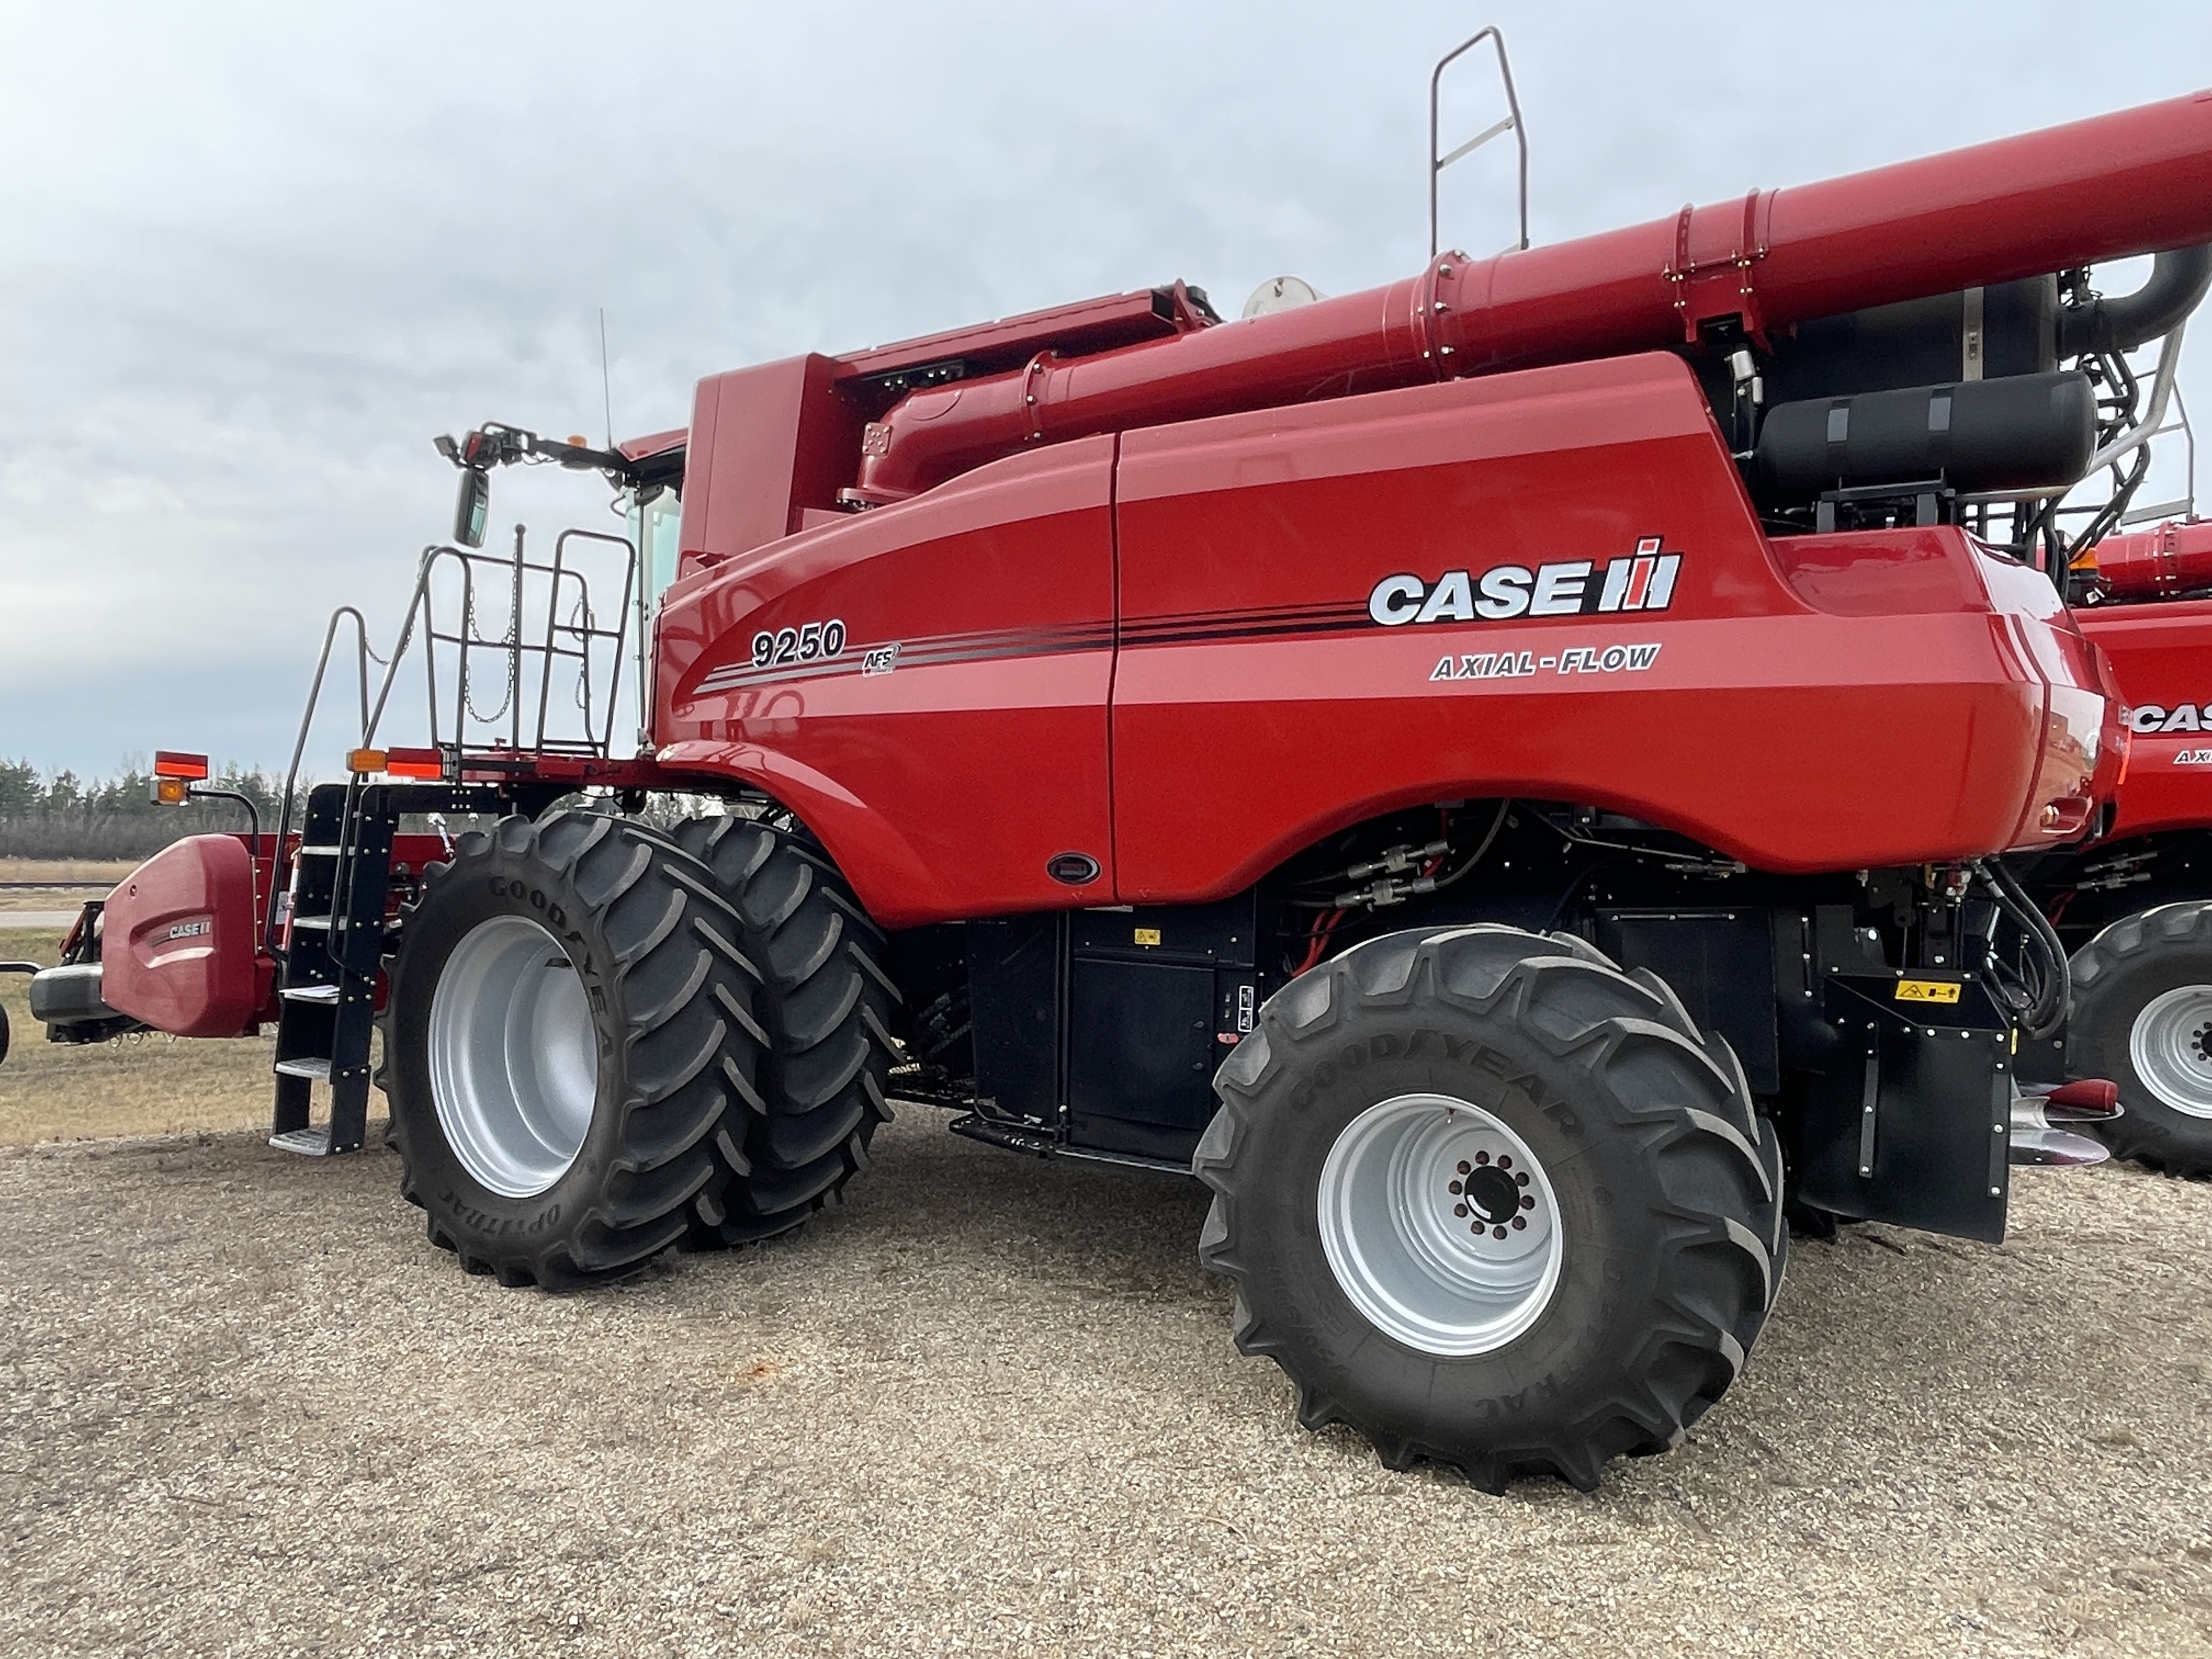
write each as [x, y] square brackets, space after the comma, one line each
[179, 947]
[1547, 584]
[1258, 703]
[2162, 656]
[954, 743]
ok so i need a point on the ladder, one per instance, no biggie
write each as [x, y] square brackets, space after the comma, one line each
[331, 951]
[330, 948]
[327, 970]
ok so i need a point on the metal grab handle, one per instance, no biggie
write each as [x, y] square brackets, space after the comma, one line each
[299, 744]
[1511, 123]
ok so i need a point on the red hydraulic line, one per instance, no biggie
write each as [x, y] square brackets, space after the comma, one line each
[2137, 181]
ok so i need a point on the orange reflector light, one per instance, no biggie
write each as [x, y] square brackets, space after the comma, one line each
[167, 763]
[414, 763]
[365, 760]
[170, 792]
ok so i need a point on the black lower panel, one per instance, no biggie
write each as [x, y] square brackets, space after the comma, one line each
[1140, 1057]
[1720, 962]
[1910, 1121]
[1013, 977]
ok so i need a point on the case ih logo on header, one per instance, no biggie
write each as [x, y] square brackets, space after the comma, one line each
[1643, 582]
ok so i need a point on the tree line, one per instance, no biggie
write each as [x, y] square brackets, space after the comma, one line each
[63, 816]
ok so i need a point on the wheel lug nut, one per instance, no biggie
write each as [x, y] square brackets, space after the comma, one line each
[1505, 1162]
[1498, 1232]
[1482, 1158]
[1528, 1202]
[1454, 1185]
[1519, 1223]
[1459, 1210]
[1521, 1180]
[1465, 1168]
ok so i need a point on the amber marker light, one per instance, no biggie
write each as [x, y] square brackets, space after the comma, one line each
[364, 760]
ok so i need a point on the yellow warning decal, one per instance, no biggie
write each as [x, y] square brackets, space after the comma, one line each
[1927, 990]
[1148, 936]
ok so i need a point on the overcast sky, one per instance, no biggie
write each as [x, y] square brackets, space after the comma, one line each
[252, 257]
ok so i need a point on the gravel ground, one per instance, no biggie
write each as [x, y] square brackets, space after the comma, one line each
[992, 1407]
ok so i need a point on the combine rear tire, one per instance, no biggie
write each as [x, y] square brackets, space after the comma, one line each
[1491, 1201]
[2142, 1017]
[825, 1003]
[569, 1030]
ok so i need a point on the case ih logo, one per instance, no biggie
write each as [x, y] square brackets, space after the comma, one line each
[2187, 717]
[1643, 582]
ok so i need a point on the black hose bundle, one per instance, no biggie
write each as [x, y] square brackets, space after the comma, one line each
[2047, 1009]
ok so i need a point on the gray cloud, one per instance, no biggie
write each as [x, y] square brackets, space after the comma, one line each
[255, 255]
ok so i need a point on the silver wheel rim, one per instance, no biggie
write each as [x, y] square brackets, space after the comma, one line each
[2170, 1047]
[1418, 1225]
[513, 1064]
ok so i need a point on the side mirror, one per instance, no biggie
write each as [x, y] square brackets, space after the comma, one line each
[473, 509]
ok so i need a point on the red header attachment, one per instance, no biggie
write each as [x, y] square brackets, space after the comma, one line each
[2158, 564]
[167, 763]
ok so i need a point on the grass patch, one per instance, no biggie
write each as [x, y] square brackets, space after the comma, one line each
[96, 873]
[148, 1084]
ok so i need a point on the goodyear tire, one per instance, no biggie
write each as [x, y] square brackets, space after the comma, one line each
[2142, 1017]
[825, 1004]
[568, 1039]
[1492, 1201]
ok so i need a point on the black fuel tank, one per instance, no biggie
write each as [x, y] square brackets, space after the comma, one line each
[2023, 432]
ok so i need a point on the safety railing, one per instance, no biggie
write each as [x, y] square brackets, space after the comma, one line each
[549, 632]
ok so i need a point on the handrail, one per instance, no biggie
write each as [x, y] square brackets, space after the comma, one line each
[299, 744]
[1512, 123]
[563, 584]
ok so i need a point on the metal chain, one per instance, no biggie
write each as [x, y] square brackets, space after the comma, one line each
[512, 642]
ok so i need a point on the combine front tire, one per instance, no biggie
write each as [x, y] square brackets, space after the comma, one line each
[570, 1022]
[2142, 1017]
[1492, 1202]
[825, 1003]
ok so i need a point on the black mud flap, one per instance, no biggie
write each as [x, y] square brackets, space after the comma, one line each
[1910, 1121]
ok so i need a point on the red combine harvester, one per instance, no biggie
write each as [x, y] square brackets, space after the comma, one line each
[1503, 776]
[2135, 906]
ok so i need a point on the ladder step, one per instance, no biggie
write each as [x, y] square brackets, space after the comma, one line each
[325, 993]
[309, 1143]
[317, 923]
[317, 852]
[314, 1068]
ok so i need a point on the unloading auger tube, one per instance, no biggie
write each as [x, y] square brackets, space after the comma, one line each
[1992, 213]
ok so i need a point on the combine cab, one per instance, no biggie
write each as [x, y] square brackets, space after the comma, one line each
[1508, 778]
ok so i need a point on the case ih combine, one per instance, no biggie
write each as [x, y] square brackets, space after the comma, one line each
[2137, 906]
[1504, 776]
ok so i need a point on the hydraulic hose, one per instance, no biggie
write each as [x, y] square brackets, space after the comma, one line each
[2050, 1010]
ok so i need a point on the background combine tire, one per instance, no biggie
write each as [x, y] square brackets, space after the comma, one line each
[2142, 1017]
[1492, 1202]
[569, 1033]
[825, 1003]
